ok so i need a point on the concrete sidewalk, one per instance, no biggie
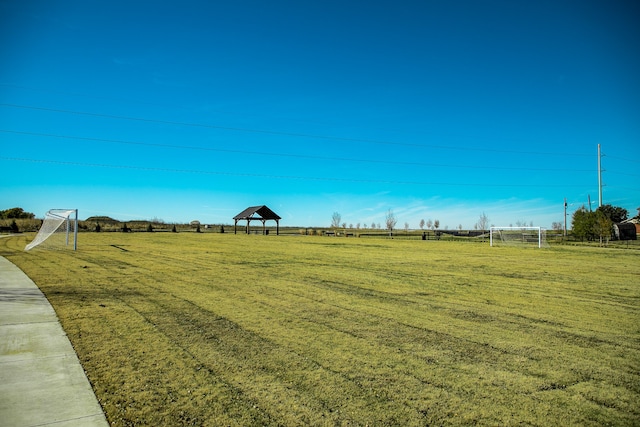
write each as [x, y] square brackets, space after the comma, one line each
[41, 380]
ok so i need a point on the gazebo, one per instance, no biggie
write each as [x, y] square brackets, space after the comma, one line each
[257, 213]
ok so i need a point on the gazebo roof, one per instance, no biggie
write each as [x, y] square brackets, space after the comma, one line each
[262, 212]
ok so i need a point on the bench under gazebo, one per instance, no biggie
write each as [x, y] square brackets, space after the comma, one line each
[257, 213]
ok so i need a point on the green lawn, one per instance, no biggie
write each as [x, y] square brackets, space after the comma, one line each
[223, 329]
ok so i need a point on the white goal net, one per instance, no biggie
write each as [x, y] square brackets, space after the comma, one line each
[519, 236]
[58, 229]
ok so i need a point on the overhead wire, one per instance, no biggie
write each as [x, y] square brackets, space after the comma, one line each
[287, 155]
[621, 158]
[291, 177]
[282, 133]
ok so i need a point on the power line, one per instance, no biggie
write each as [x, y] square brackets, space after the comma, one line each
[621, 158]
[620, 173]
[129, 101]
[281, 133]
[288, 155]
[285, 177]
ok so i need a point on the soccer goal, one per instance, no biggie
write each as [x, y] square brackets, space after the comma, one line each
[518, 236]
[59, 229]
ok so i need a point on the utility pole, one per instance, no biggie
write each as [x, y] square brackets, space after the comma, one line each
[565, 217]
[599, 177]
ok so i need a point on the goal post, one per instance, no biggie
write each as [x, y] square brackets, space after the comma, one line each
[518, 236]
[58, 222]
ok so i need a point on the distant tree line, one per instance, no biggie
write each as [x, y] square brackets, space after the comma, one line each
[586, 225]
[16, 213]
[391, 221]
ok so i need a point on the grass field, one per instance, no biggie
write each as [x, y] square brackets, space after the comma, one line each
[223, 329]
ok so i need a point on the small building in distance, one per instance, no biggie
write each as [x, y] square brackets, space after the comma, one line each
[257, 213]
[626, 228]
[625, 231]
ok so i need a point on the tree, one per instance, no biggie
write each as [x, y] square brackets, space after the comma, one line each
[406, 227]
[483, 221]
[429, 224]
[436, 225]
[16, 213]
[422, 224]
[598, 224]
[613, 213]
[557, 226]
[582, 223]
[335, 220]
[390, 221]
[602, 226]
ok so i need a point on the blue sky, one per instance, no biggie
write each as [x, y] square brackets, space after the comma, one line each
[434, 110]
